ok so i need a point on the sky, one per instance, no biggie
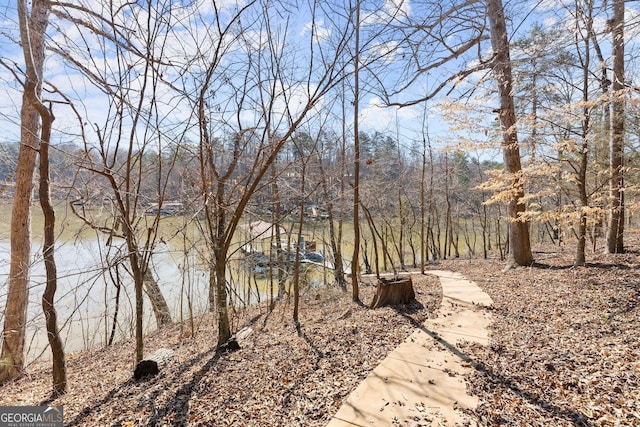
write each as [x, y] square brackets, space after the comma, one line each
[189, 38]
[193, 37]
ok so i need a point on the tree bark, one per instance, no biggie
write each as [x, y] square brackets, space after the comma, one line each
[159, 304]
[423, 236]
[519, 240]
[355, 259]
[138, 280]
[615, 241]
[296, 261]
[338, 268]
[398, 290]
[12, 356]
[224, 326]
[581, 172]
[51, 316]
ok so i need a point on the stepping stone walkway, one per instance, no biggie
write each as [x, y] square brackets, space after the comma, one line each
[421, 382]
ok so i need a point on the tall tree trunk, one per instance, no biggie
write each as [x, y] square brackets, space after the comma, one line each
[583, 158]
[12, 358]
[615, 243]
[138, 279]
[423, 208]
[48, 296]
[296, 261]
[218, 222]
[355, 259]
[222, 310]
[584, 201]
[48, 251]
[343, 172]
[600, 152]
[32, 30]
[519, 240]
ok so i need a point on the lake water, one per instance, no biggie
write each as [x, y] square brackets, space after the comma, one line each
[85, 299]
[86, 293]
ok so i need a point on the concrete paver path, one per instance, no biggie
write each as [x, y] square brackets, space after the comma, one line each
[421, 382]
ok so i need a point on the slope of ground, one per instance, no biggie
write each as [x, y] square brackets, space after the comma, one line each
[278, 378]
[565, 342]
[565, 351]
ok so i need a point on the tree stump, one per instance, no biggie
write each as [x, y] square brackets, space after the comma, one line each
[397, 290]
[150, 366]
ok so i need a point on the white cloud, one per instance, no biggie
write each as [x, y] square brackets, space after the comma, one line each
[321, 32]
[292, 102]
[388, 51]
[398, 7]
[376, 117]
[391, 10]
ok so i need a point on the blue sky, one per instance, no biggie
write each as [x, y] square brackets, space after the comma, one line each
[186, 40]
[189, 38]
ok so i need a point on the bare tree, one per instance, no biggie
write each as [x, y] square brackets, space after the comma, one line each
[127, 155]
[51, 316]
[257, 85]
[335, 234]
[519, 241]
[431, 41]
[581, 168]
[355, 258]
[615, 236]
[33, 25]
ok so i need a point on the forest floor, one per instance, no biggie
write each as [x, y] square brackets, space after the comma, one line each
[565, 350]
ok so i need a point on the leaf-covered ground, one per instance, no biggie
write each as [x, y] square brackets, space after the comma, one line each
[565, 342]
[565, 351]
[277, 378]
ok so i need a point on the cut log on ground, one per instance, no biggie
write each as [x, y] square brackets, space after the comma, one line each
[394, 291]
[229, 346]
[245, 337]
[151, 366]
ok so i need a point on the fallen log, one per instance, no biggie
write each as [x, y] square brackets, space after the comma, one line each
[394, 291]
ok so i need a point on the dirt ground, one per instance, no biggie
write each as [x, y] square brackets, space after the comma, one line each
[565, 350]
